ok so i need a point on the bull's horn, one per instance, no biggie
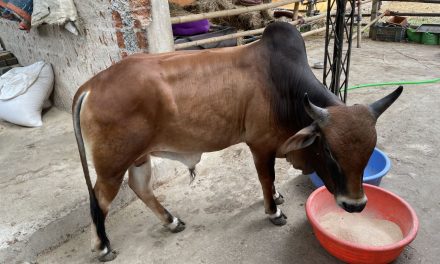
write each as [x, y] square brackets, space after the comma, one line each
[318, 114]
[378, 107]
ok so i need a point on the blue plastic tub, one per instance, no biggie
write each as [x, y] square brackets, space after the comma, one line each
[377, 167]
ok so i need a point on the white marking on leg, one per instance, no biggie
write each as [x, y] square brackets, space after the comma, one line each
[103, 252]
[173, 225]
[275, 215]
[276, 195]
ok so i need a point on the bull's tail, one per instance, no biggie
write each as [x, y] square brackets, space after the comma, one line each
[96, 212]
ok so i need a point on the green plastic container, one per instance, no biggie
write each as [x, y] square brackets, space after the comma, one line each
[429, 38]
[414, 36]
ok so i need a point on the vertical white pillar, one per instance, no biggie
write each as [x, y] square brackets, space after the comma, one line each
[159, 32]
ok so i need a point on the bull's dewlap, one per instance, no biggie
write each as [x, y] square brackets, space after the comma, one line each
[361, 229]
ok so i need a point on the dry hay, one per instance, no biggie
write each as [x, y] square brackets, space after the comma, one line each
[177, 10]
[245, 21]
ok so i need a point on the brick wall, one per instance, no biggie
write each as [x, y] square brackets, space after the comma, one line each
[131, 19]
[113, 29]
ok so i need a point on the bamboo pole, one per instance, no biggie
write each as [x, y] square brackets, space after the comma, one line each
[312, 32]
[372, 22]
[374, 9]
[295, 11]
[251, 32]
[231, 12]
[363, 15]
[242, 34]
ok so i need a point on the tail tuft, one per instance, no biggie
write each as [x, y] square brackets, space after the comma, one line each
[98, 219]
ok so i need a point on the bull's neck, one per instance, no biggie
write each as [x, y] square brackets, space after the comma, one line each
[289, 78]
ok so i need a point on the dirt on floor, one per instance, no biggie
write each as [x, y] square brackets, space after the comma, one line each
[223, 208]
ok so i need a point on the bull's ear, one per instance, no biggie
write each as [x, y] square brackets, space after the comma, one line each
[303, 138]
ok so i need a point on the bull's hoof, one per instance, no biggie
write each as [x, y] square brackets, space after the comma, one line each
[180, 226]
[279, 220]
[109, 256]
[279, 200]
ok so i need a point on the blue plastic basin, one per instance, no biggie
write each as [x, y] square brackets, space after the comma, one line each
[377, 167]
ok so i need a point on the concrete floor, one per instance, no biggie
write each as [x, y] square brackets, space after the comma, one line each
[42, 194]
[223, 208]
[38, 169]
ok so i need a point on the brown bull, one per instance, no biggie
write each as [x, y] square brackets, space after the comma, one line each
[181, 104]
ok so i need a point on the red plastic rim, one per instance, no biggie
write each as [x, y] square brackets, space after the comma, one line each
[402, 243]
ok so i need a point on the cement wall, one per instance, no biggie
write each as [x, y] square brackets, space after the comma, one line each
[112, 29]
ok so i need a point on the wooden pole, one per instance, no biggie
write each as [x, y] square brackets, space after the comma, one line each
[231, 12]
[374, 9]
[295, 11]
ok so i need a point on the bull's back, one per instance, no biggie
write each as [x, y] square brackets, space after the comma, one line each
[211, 92]
[186, 99]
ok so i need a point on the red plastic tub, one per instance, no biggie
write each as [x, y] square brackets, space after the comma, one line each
[381, 204]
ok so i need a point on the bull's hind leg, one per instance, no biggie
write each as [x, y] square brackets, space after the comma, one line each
[264, 163]
[105, 191]
[140, 182]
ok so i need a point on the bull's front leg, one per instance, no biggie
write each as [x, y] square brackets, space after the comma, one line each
[264, 163]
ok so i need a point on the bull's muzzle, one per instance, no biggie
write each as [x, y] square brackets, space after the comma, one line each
[351, 205]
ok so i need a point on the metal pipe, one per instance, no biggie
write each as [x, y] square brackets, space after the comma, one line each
[348, 52]
[338, 42]
[231, 12]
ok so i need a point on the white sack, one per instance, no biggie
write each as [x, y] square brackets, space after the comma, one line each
[23, 105]
[51, 12]
[17, 80]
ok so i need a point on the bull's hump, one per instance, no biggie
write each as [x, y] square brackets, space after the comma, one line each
[284, 39]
